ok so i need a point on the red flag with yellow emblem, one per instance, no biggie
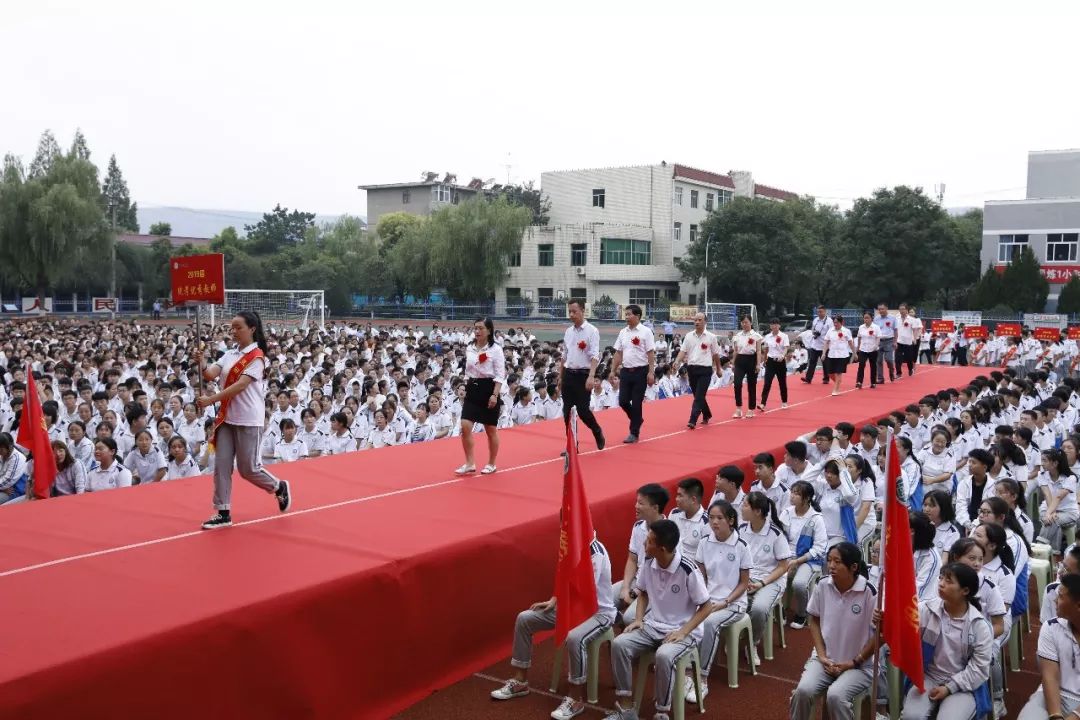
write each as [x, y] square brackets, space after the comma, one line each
[34, 436]
[900, 615]
[575, 587]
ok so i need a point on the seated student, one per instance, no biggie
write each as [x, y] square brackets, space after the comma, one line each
[13, 470]
[806, 533]
[289, 448]
[724, 559]
[765, 481]
[181, 464]
[842, 627]
[106, 473]
[381, 435]
[771, 554]
[1058, 508]
[957, 648]
[1070, 564]
[689, 515]
[649, 507]
[838, 497]
[796, 466]
[523, 411]
[1009, 490]
[541, 616]
[938, 506]
[1058, 697]
[927, 558]
[729, 482]
[313, 438]
[340, 439]
[146, 462]
[82, 447]
[971, 553]
[422, 428]
[673, 601]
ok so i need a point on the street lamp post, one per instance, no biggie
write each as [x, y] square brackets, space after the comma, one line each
[112, 247]
[708, 241]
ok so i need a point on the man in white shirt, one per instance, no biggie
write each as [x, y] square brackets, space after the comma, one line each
[908, 334]
[886, 326]
[689, 515]
[577, 369]
[633, 367]
[702, 356]
[819, 328]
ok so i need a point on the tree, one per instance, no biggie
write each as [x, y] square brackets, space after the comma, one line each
[988, 292]
[161, 229]
[1025, 288]
[79, 147]
[49, 223]
[47, 152]
[392, 227]
[526, 195]
[278, 229]
[1069, 300]
[115, 197]
[955, 254]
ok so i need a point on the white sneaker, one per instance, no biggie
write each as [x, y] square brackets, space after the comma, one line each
[999, 709]
[691, 694]
[835, 393]
[737, 414]
[783, 406]
[512, 689]
[797, 623]
[570, 708]
[750, 414]
[757, 658]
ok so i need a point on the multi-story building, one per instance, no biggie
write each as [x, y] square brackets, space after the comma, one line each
[617, 232]
[1047, 220]
[417, 198]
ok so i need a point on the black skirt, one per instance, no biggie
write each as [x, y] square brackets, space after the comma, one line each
[836, 366]
[478, 392]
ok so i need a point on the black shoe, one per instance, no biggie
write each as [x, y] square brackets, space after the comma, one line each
[807, 381]
[600, 440]
[691, 426]
[631, 438]
[222, 519]
[858, 386]
[705, 421]
[284, 497]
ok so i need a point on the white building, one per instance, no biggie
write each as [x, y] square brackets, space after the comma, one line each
[618, 231]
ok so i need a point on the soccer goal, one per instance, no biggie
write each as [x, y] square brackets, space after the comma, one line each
[724, 317]
[277, 308]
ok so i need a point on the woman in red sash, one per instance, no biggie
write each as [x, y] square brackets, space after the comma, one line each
[238, 427]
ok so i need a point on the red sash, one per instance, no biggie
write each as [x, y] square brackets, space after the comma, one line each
[1008, 356]
[1073, 364]
[234, 375]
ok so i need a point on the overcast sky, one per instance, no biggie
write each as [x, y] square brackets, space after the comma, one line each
[244, 105]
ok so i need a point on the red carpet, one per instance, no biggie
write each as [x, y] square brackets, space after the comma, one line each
[389, 579]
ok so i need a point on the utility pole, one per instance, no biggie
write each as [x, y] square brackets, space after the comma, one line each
[708, 241]
[112, 283]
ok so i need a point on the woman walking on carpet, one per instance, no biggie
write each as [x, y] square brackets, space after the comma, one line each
[485, 368]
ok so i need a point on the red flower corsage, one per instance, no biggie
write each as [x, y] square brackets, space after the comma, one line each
[581, 345]
[750, 341]
[704, 346]
[636, 341]
[778, 340]
[871, 333]
[482, 358]
[905, 324]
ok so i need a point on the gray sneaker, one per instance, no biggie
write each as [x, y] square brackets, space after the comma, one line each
[631, 438]
[620, 714]
[512, 689]
[570, 708]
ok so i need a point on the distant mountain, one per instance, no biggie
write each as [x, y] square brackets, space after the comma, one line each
[191, 222]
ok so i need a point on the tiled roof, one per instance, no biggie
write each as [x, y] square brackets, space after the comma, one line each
[772, 192]
[689, 173]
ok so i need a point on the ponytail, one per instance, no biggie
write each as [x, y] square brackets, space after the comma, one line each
[761, 502]
[253, 321]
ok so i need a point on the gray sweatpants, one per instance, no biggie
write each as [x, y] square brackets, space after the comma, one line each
[530, 622]
[800, 587]
[714, 626]
[239, 444]
[839, 691]
[761, 603]
[918, 706]
[629, 646]
[1051, 532]
[1035, 709]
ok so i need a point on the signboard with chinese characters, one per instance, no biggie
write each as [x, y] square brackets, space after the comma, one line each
[972, 332]
[1045, 320]
[36, 306]
[942, 326]
[198, 279]
[1054, 274]
[1052, 334]
[105, 304]
[682, 313]
[1008, 330]
[1074, 332]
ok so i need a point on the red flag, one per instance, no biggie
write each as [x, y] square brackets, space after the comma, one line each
[900, 617]
[575, 588]
[34, 436]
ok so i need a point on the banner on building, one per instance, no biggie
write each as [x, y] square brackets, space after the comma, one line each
[1046, 320]
[36, 306]
[1052, 334]
[1008, 330]
[972, 332]
[1054, 274]
[683, 313]
[942, 326]
[105, 304]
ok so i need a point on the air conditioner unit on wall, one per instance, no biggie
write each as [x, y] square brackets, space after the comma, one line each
[581, 271]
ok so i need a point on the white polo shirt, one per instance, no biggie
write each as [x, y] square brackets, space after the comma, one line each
[675, 593]
[187, 468]
[605, 594]
[145, 466]
[778, 492]
[1057, 643]
[845, 618]
[315, 440]
[1064, 482]
[990, 598]
[699, 349]
[691, 529]
[635, 345]
[746, 343]
[723, 561]
[777, 345]
[578, 357]
[290, 451]
[339, 444]
[637, 540]
[1002, 577]
[767, 548]
[245, 408]
[908, 330]
[869, 338]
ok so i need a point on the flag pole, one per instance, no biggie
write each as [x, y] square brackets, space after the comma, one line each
[881, 575]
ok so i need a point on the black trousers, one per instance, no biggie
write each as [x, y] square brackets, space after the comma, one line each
[960, 356]
[905, 355]
[746, 369]
[699, 377]
[574, 395]
[774, 369]
[632, 384]
[867, 357]
[812, 363]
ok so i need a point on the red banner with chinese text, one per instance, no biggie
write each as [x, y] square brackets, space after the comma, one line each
[198, 279]
[1046, 333]
[940, 326]
[975, 331]
[1008, 330]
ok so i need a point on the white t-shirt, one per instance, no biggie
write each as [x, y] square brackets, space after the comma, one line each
[1057, 643]
[724, 561]
[691, 529]
[290, 451]
[767, 548]
[246, 407]
[187, 468]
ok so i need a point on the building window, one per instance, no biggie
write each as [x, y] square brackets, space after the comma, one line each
[579, 254]
[676, 233]
[693, 233]
[693, 198]
[677, 196]
[545, 255]
[578, 294]
[1009, 245]
[644, 296]
[708, 202]
[617, 251]
[692, 299]
[406, 196]
[545, 295]
[723, 198]
[513, 296]
[440, 193]
[598, 197]
[1061, 247]
[515, 259]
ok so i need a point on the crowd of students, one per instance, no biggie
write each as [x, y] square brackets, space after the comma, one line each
[972, 459]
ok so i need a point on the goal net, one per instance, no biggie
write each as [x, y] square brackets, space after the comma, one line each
[724, 317]
[277, 308]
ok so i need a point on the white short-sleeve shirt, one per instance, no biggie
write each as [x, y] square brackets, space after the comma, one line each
[1057, 643]
[845, 618]
[691, 529]
[246, 407]
[675, 593]
[724, 561]
[635, 345]
[187, 468]
[767, 548]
